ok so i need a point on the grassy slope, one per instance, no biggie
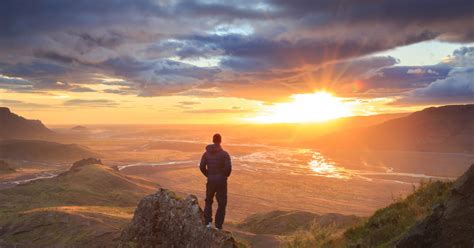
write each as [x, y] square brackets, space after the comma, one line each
[275, 228]
[72, 209]
[277, 222]
[384, 227]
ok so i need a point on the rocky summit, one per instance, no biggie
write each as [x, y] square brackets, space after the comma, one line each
[451, 224]
[165, 220]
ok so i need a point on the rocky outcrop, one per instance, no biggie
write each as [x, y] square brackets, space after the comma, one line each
[451, 224]
[166, 220]
[6, 167]
[84, 162]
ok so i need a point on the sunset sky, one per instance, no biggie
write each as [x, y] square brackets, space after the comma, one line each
[151, 61]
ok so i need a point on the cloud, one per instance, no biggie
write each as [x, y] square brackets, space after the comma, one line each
[91, 103]
[462, 57]
[217, 111]
[22, 105]
[121, 91]
[187, 104]
[457, 87]
[162, 48]
[81, 89]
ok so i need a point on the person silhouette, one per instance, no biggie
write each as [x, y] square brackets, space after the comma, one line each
[216, 165]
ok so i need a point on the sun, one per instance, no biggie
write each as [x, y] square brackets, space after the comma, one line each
[316, 107]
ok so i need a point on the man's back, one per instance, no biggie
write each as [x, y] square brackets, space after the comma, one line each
[215, 163]
[216, 166]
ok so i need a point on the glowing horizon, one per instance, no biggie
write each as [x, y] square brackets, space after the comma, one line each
[305, 108]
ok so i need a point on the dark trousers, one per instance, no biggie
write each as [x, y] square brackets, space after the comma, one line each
[219, 189]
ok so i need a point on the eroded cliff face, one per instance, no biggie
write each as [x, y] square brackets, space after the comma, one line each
[451, 224]
[166, 220]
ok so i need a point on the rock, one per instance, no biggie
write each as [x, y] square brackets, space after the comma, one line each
[84, 162]
[165, 220]
[6, 167]
[451, 224]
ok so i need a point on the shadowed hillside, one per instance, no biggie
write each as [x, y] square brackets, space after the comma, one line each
[39, 150]
[383, 228]
[287, 222]
[6, 167]
[451, 223]
[15, 126]
[441, 129]
[85, 206]
[276, 228]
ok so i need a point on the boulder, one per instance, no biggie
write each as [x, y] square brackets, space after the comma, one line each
[165, 220]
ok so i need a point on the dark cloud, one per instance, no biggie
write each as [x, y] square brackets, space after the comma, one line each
[461, 57]
[406, 77]
[121, 91]
[81, 89]
[253, 53]
[281, 46]
[457, 87]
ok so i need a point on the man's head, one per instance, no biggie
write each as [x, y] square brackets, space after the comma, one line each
[217, 139]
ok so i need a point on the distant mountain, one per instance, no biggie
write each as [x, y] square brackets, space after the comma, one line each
[84, 207]
[15, 126]
[438, 129]
[38, 150]
[79, 129]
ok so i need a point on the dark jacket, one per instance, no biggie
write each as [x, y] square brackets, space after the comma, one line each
[215, 164]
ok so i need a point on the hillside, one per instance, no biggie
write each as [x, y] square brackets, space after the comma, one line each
[288, 222]
[13, 126]
[451, 223]
[437, 214]
[85, 206]
[436, 129]
[38, 150]
[277, 228]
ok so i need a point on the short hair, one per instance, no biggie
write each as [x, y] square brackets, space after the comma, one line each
[216, 139]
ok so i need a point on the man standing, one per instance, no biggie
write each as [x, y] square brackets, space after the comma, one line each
[216, 166]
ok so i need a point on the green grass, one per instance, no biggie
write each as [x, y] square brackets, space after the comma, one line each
[53, 211]
[384, 227]
[388, 224]
[278, 222]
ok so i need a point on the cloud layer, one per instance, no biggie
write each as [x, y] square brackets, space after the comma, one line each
[263, 50]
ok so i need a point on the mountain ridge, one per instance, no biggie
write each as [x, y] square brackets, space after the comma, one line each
[16, 126]
[436, 129]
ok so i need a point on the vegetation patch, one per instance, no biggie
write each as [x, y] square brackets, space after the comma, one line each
[384, 227]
